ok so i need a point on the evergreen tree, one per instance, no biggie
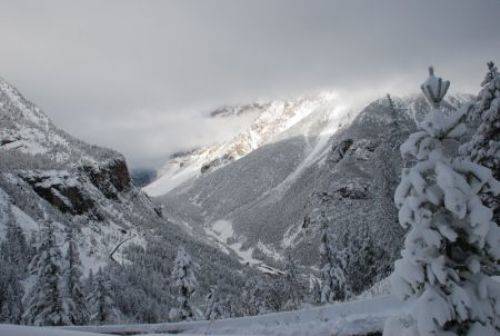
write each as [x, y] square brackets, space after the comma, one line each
[293, 285]
[12, 308]
[89, 285]
[214, 307]
[491, 74]
[13, 264]
[361, 258]
[11, 293]
[45, 304]
[75, 301]
[452, 237]
[333, 263]
[101, 304]
[315, 292]
[14, 248]
[484, 146]
[183, 281]
[253, 297]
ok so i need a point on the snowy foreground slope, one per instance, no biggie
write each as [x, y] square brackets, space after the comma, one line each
[363, 317]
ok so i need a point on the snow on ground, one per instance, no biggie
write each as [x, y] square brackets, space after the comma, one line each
[343, 319]
[23, 220]
[222, 231]
[171, 180]
[336, 118]
[269, 251]
[15, 330]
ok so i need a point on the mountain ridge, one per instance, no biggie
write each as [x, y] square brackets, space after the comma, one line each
[273, 118]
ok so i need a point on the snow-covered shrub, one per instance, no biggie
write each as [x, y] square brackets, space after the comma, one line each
[453, 245]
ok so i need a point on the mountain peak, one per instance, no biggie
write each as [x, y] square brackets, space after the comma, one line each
[273, 118]
[14, 106]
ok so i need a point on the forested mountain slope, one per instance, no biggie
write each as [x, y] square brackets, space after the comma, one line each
[50, 177]
[335, 166]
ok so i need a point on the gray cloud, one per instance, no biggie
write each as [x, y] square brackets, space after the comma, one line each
[137, 75]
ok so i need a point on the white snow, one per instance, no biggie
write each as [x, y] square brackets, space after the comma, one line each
[351, 318]
[23, 220]
[15, 330]
[172, 180]
[223, 229]
[269, 251]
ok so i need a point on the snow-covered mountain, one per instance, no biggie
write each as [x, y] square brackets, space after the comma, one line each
[272, 119]
[333, 164]
[250, 201]
[46, 175]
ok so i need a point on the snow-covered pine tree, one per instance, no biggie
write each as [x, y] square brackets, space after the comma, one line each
[45, 304]
[33, 245]
[184, 283]
[11, 292]
[491, 74]
[484, 146]
[326, 263]
[333, 280]
[74, 298]
[393, 109]
[100, 302]
[452, 237]
[14, 248]
[314, 291]
[360, 257]
[11, 308]
[294, 287]
[253, 297]
[13, 265]
[89, 285]
[214, 309]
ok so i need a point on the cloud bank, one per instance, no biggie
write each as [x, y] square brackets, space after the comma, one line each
[139, 76]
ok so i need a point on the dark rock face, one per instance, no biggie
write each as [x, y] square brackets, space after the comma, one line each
[343, 147]
[111, 178]
[353, 191]
[119, 175]
[62, 194]
[224, 160]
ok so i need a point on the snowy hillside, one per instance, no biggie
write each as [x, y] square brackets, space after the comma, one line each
[272, 119]
[47, 173]
[334, 164]
[238, 234]
[48, 176]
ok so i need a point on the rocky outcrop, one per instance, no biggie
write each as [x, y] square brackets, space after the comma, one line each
[353, 190]
[218, 162]
[110, 178]
[61, 190]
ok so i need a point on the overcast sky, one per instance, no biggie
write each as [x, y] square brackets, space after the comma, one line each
[137, 75]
